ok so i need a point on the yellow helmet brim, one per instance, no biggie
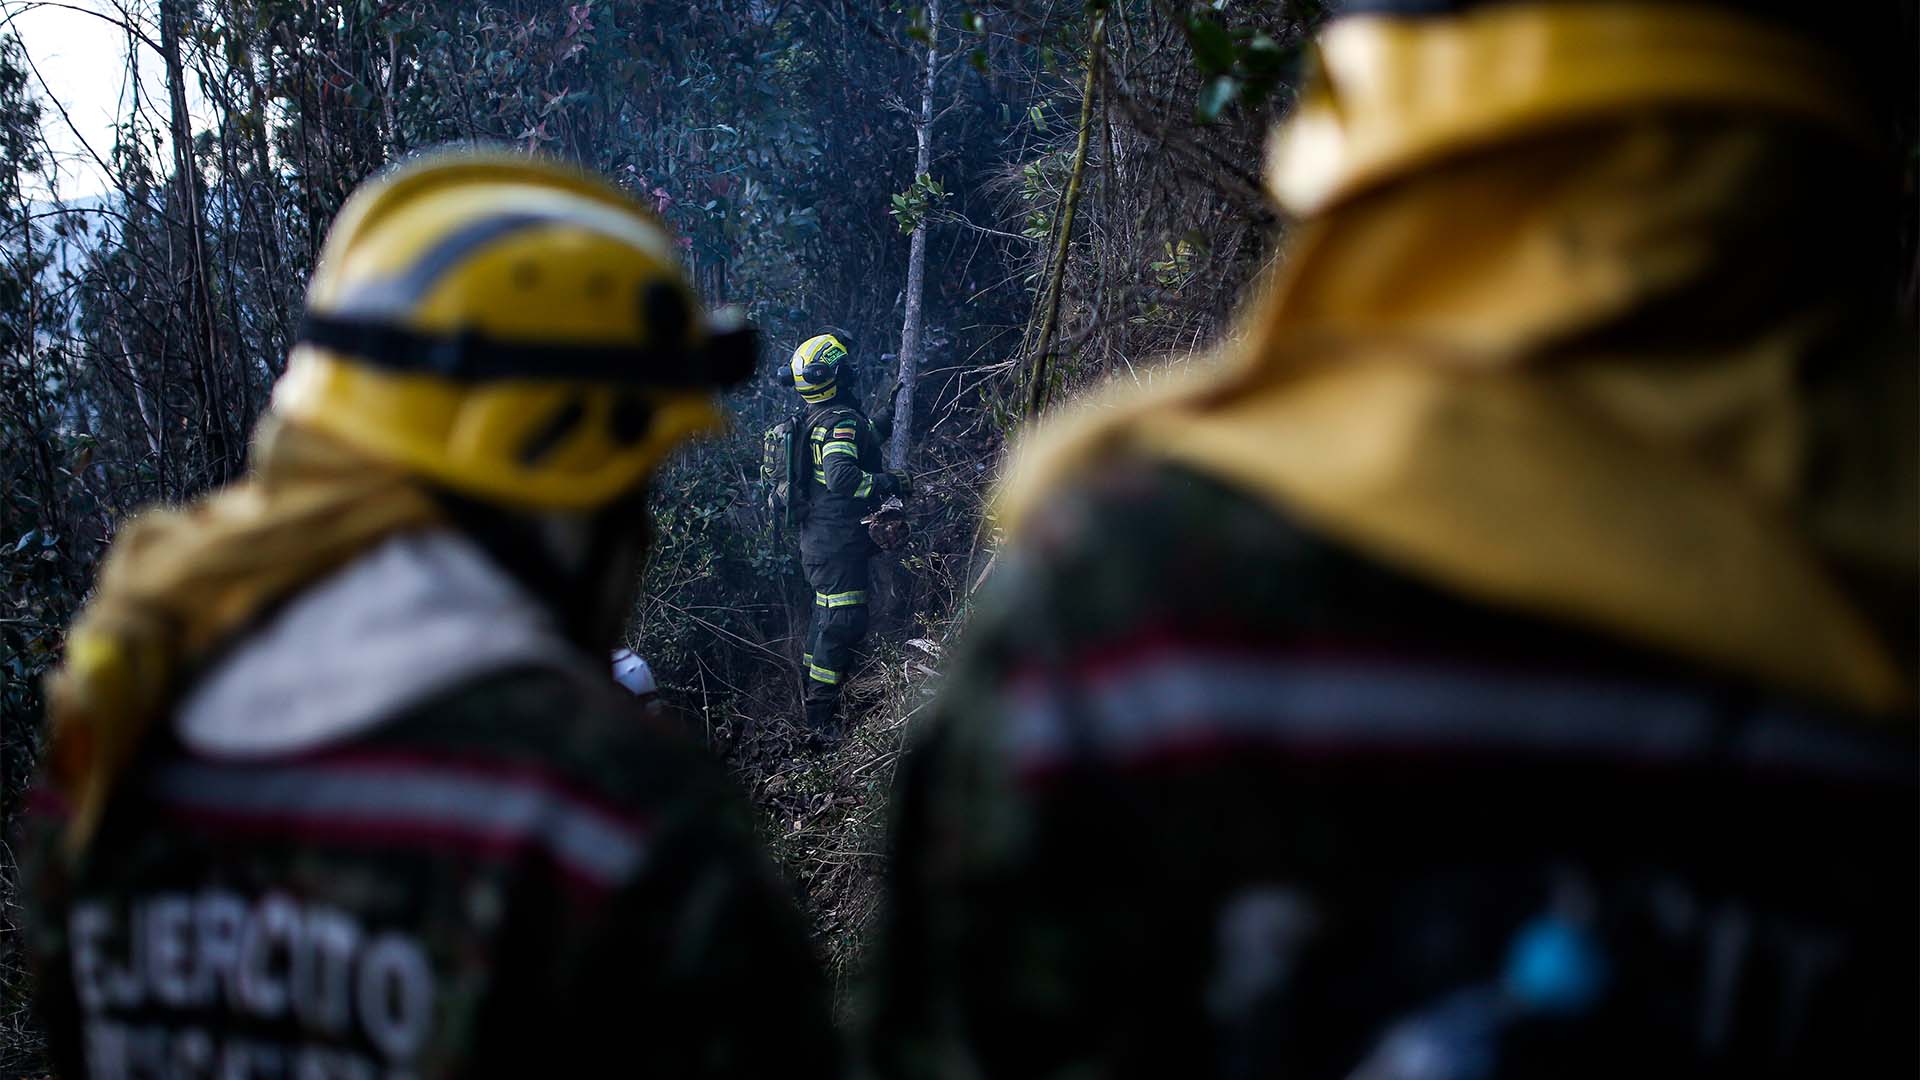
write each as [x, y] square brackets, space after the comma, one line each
[534, 443]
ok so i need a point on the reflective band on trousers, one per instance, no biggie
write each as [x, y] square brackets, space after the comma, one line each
[825, 675]
[840, 599]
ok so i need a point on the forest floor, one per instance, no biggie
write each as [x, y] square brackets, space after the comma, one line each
[825, 811]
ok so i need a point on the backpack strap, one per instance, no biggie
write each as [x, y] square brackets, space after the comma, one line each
[800, 459]
[820, 414]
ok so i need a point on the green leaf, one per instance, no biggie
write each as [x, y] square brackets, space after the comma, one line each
[1215, 97]
[979, 60]
[1212, 48]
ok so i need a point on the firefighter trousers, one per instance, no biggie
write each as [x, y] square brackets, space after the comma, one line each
[839, 580]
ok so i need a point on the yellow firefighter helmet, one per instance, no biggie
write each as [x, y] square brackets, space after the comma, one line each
[510, 329]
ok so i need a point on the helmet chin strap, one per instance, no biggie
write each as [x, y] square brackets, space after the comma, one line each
[584, 567]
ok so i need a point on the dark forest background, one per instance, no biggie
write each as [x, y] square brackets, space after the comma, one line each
[807, 155]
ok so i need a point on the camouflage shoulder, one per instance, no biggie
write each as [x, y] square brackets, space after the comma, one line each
[846, 416]
[1127, 548]
[834, 412]
[1136, 547]
[593, 738]
[1136, 540]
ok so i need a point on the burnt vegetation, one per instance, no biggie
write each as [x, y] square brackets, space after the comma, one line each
[1021, 199]
[805, 155]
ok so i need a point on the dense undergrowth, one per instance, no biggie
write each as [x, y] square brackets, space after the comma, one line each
[730, 662]
[144, 318]
[145, 312]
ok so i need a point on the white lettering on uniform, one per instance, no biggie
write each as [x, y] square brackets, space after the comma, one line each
[322, 977]
[234, 1061]
[86, 924]
[167, 919]
[147, 1051]
[106, 1050]
[193, 1053]
[247, 960]
[117, 1051]
[321, 1063]
[122, 986]
[275, 920]
[395, 995]
[218, 918]
[244, 1059]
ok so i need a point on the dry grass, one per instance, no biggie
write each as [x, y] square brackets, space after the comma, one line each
[22, 1045]
[826, 812]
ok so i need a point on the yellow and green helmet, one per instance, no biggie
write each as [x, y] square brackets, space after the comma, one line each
[816, 367]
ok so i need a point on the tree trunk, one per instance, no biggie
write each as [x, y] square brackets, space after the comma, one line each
[396, 146]
[285, 300]
[910, 333]
[205, 351]
[1057, 271]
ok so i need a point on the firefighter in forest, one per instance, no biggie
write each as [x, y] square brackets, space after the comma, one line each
[849, 482]
[1500, 663]
[337, 782]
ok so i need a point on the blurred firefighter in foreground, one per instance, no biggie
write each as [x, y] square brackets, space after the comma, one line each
[1495, 664]
[840, 482]
[347, 790]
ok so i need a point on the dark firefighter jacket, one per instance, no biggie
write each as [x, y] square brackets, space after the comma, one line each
[1210, 794]
[848, 481]
[1489, 662]
[402, 829]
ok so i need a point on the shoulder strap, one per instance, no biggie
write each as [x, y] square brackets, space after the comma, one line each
[829, 413]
